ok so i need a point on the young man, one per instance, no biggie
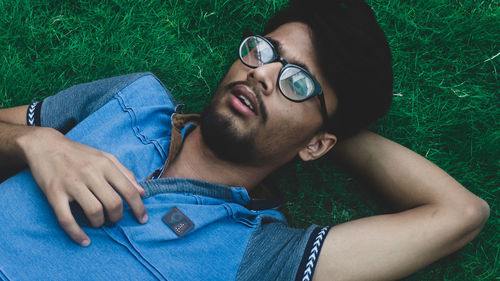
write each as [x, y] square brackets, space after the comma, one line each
[298, 91]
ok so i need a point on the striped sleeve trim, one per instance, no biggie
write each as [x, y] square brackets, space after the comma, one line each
[311, 254]
[33, 114]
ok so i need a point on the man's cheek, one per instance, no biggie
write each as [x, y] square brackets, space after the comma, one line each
[235, 73]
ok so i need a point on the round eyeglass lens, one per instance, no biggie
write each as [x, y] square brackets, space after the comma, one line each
[296, 84]
[255, 52]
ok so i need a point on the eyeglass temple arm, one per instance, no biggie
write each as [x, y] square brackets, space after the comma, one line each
[323, 111]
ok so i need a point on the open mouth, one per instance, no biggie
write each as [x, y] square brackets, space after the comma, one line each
[244, 100]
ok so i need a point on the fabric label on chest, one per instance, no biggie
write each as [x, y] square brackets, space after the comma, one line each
[178, 222]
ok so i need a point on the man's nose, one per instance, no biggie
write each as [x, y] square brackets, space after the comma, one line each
[266, 76]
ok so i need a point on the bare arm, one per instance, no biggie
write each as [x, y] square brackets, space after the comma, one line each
[67, 171]
[9, 161]
[439, 215]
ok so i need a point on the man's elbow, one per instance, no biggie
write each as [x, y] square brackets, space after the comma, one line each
[476, 213]
[472, 216]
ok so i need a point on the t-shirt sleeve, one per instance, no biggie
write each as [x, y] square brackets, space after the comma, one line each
[67, 108]
[278, 252]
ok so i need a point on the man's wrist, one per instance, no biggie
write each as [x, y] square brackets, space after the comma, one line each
[29, 141]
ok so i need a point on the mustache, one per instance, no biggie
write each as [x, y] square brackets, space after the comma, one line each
[256, 91]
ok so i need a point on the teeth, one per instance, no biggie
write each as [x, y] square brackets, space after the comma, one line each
[246, 101]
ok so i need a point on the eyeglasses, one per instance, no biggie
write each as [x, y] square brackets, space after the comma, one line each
[295, 82]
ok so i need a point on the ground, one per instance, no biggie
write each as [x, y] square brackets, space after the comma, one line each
[445, 107]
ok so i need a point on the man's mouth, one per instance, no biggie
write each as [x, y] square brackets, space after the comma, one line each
[244, 100]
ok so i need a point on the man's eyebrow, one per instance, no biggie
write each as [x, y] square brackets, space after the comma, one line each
[277, 44]
[279, 47]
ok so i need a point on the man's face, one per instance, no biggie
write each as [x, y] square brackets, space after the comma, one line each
[250, 121]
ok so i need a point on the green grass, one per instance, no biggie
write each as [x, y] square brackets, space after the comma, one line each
[446, 103]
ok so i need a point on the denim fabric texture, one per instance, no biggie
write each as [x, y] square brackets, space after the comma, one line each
[135, 125]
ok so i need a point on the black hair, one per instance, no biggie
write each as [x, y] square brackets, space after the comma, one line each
[353, 56]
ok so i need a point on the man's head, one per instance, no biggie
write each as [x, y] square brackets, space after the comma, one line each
[274, 128]
[353, 55]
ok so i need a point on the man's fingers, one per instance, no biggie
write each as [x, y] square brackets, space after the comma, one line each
[93, 178]
[67, 221]
[130, 194]
[92, 208]
[113, 204]
[127, 173]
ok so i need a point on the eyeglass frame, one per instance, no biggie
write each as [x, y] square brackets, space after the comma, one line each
[318, 91]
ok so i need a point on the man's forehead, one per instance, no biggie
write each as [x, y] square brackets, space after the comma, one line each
[279, 47]
[293, 41]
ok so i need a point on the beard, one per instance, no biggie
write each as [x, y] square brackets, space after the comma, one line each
[222, 137]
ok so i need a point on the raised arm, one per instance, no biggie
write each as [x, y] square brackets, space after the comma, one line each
[438, 215]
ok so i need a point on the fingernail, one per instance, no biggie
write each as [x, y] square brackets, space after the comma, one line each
[139, 187]
[144, 218]
[85, 243]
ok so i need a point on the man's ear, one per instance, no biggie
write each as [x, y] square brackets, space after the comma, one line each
[318, 146]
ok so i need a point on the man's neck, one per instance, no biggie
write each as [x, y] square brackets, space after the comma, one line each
[197, 161]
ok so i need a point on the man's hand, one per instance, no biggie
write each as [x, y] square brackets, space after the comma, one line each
[66, 170]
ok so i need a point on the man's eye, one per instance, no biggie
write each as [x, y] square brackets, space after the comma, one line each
[253, 57]
[264, 53]
[254, 53]
[303, 84]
